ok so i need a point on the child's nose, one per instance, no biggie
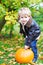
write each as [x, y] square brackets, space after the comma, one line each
[23, 20]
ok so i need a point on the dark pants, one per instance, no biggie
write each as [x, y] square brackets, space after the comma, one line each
[34, 48]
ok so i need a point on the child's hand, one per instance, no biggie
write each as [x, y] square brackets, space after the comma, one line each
[26, 47]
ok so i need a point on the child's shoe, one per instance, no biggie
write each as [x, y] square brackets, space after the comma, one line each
[34, 60]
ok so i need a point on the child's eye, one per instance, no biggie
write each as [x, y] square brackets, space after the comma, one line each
[28, 16]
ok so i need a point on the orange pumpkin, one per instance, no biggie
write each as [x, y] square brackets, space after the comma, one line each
[24, 56]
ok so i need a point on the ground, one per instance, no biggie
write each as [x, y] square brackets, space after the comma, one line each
[8, 47]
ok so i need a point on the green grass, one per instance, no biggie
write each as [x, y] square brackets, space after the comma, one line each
[41, 25]
[8, 47]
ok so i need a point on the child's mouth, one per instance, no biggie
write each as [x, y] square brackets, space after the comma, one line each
[23, 23]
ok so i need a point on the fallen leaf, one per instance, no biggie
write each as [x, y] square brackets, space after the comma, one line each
[1, 52]
[3, 64]
[41, 57]
[14, 62]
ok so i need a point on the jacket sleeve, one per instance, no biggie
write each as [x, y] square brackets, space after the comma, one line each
[32, 35]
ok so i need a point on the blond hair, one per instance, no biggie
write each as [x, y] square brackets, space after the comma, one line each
[24, 10]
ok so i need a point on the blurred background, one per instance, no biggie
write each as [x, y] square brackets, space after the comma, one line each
[9, 28]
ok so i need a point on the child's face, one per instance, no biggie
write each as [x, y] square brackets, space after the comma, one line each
[24, 19]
